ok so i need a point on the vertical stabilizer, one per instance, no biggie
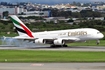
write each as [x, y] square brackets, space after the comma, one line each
[20, 26]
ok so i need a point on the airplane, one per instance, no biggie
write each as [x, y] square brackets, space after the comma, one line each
[54, 38]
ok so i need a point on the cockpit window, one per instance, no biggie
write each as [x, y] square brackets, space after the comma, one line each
[98, 32]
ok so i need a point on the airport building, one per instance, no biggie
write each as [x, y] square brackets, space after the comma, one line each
[11, 10]
[23, 12]
[36, 13]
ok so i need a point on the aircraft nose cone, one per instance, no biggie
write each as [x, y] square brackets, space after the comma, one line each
[101, 35]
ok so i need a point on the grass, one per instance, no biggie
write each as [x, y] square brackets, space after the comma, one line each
[8, 35]
[88, 43]
[50, 56]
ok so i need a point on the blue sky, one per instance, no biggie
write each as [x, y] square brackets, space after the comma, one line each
[51, 1]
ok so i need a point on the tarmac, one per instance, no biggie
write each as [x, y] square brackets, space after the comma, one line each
[52, 66]
[72, 48]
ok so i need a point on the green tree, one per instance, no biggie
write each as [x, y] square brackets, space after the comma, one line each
[65, 14]
[5, 14]
[86, 13]
[54, 12]
[96, 14]
[76, 14]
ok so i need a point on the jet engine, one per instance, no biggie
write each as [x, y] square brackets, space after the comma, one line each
[40, 41]
[59, 42]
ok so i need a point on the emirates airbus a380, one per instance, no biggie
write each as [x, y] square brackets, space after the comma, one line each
[54, 38]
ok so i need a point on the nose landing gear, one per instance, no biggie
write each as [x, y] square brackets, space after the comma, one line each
[98, 42]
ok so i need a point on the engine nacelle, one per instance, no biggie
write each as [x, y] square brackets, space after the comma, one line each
[59, 42]
[40, 41]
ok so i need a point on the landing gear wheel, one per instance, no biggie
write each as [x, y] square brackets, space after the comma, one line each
[55, 46]
[65, 46]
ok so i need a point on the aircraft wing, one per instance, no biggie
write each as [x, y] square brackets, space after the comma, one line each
[23, 38]
[67, 40]
[71, 39]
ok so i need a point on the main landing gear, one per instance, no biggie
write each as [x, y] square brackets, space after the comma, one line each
[98, 42]
[55, 46]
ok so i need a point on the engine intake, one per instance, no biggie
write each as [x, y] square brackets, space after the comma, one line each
[40, 41]
[59, 42]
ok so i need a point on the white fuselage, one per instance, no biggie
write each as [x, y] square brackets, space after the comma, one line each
[81, 34]
[60, 37]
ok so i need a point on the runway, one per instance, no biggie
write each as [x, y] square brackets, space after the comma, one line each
[52, 66]
[73, 48]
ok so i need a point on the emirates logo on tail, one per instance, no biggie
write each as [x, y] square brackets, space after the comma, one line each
[20, 27]
[29, 33]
